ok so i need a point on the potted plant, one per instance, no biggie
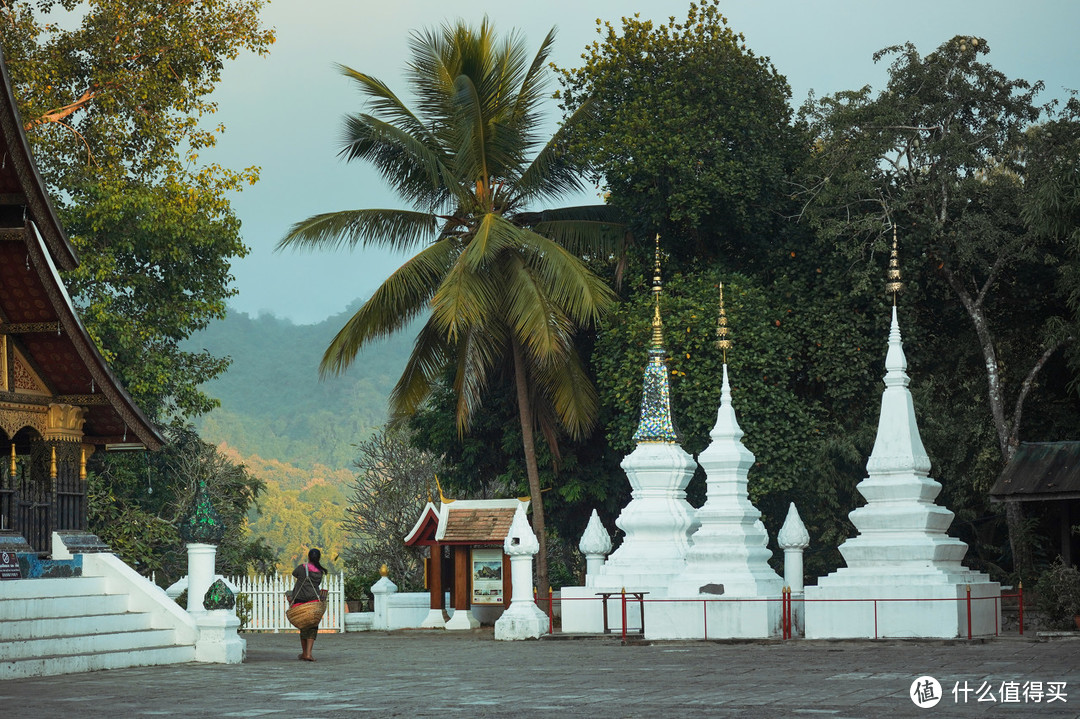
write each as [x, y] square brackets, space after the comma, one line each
[1058, 595]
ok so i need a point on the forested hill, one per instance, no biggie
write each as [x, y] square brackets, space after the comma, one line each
[273, 403]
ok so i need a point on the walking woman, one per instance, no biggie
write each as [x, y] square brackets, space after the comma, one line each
[308, 575]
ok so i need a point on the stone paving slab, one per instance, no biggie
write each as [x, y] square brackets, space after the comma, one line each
[439, 674]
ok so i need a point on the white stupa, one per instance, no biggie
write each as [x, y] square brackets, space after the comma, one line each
[903, 566]
[728, 557]
[658, 521]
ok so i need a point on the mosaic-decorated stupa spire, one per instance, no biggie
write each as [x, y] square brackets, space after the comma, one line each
[656, 423]
[202, 524]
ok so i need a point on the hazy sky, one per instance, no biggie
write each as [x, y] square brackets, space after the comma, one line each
[284, 112]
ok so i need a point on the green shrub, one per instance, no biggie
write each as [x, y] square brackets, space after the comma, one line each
[1058, 595]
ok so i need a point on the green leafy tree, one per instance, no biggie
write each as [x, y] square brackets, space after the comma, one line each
[114, 99]
[944, 153]
[138, 500]
[114, 95]
[393, 485]
[691, 132]
[505, 292]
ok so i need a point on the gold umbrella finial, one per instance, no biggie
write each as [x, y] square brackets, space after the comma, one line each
[658, 285]
[722, 341]
[893, 286]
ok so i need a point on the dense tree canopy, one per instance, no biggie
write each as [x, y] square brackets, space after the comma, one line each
[957, 157]
[692, 133]
[115, 99]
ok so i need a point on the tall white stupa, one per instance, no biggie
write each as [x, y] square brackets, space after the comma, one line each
[904, 576]
[729, 557]
[658, 521]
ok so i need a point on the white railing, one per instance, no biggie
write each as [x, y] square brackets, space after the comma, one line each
[267, 595]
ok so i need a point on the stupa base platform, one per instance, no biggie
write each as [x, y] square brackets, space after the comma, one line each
[583, 608]
[712, 617]
[902, 610]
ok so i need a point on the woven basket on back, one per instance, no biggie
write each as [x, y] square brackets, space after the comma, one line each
[306, 615]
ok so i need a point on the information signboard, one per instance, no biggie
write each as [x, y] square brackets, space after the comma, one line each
[9, 566]
[487, 576]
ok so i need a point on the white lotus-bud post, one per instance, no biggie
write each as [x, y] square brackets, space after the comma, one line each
[595, 544]
[793, 539]
[522, 619]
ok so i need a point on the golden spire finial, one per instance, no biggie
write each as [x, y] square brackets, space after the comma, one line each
[657, 325]
[722, 341]
[384, 571]
[14, 467]
[442, 497]
[893, 285]
[52, 464]
[82, 462]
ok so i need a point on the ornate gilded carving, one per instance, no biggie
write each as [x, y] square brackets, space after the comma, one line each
[27, 328]
[15, 417]
[84, 399]
[24, 378]
[65, 423]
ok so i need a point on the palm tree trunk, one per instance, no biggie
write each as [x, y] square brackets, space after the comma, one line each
[533, 472]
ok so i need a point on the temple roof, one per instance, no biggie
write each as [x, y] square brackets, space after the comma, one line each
[36, 313]
[1040, 471]
[465, 521]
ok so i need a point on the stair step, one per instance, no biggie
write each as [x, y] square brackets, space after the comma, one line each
[85, 643]
[62, 606]
[52, 587]
[42, 627]
[46, 666]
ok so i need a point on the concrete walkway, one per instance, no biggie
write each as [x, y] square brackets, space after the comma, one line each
[436, 674]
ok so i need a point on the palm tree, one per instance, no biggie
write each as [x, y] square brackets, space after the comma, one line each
[505, 290]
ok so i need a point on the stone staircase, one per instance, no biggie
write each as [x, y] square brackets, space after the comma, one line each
[80, 624]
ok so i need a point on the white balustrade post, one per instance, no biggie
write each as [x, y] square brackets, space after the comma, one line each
[200, 574]
[382, 591]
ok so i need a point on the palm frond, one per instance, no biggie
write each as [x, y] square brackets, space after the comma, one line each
[419, 173]
[430, 356]
[472, 146]
[493, 235]
[539, 325]
[403, 296]
[400, 230]
[552, 174]
[534, 84]
[386, 105]
[567, 281]
[466, 298]
[571, 394]
[593, 231]
[478, 351]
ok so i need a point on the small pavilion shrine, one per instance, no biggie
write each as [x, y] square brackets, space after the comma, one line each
[466, 559]
[59, 401]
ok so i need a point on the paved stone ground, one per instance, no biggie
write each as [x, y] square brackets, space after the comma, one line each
[435, 674]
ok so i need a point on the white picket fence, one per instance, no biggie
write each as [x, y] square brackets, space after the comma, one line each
[268, 603]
